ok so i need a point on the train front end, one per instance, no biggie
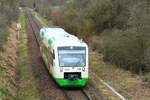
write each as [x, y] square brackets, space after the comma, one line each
[73, 66]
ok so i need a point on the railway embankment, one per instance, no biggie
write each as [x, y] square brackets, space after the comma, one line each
[8, 66]
[126, 83]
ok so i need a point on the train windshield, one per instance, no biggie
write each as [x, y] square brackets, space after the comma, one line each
[72, 56]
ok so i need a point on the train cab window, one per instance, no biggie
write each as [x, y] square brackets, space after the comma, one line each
[72, 56]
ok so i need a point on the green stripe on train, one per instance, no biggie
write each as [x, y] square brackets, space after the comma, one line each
[71, 83]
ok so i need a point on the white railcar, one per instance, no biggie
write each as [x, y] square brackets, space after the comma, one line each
[65, 56]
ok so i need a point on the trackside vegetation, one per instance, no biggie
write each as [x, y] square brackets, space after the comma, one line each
[27, 84]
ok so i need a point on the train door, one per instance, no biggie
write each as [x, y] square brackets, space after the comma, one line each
[42, 50]
[52, 59]
[49, 59]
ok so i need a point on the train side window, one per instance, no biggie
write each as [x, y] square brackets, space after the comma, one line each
[53, 54]
[51, 58]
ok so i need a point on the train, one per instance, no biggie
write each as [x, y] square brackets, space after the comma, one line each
[65, 57]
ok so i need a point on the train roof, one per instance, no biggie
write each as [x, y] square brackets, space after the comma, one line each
[59, 35]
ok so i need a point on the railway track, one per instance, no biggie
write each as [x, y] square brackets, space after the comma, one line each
[70, 94]
[34, 25]
[86, 94]
[76, 94]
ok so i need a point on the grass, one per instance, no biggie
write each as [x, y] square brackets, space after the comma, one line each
[42, 21]
[1, 71]
[27, 84]
[125, 82]
[5, 94]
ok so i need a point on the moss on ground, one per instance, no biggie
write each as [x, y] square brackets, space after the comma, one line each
[5, 93]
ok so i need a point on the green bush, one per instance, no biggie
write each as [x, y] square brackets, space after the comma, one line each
[130, 48]
[124, 49]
